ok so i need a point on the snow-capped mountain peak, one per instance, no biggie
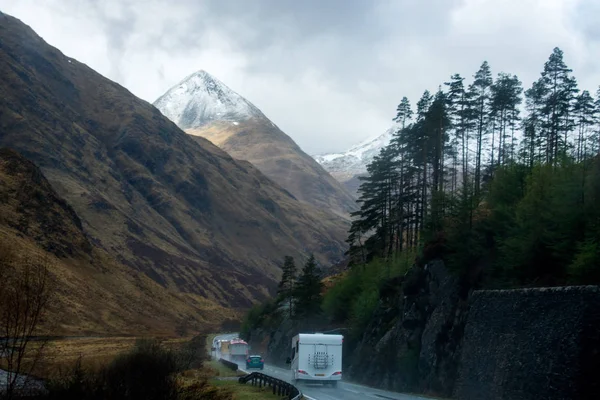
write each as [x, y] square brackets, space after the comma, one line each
[201, 98]
[354, 161]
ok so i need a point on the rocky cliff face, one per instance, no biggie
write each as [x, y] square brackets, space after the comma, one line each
[413, 341]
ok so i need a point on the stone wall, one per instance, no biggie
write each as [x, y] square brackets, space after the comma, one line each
[532, 344]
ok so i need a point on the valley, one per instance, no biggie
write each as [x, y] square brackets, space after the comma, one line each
[147, 208]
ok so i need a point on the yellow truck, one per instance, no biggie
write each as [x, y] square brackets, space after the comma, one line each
[224, 347]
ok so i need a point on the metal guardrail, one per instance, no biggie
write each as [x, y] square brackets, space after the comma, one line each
[231, 365]
[280, 388]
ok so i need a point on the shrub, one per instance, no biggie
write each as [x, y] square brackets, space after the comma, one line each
[192, 354]
[147, 372]
[355, 296]
[266, 315]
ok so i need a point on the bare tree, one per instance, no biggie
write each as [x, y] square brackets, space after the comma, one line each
[25, 292]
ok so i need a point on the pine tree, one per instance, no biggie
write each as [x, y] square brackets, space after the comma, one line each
[420, 155]
[376, 199]
[480, 92]
[400, 207]
[460, 112]
[285, 290]
[560, 89]
[438, 124]
[308, 291]
[403, 112]
[423, 105]
[407, 188]
[534, 126]
[585, 115]
[505, 99]
[595, 136]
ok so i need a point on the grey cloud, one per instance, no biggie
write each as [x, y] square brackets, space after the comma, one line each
[330, 73]
[118, 29]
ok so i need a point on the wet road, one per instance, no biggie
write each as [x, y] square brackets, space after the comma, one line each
[344, 390]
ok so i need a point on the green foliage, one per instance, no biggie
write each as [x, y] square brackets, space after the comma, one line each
[363, 308]
[308, 291]
[285, 290]
[457, 182]
[535, 227]
[266, 315]
[355, 296]
[337, 299]
[585, 265]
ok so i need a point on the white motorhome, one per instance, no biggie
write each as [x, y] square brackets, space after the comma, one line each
[317, 357]
[238, 349]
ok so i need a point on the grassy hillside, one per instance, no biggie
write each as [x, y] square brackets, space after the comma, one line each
[93, 293]
[276, 155]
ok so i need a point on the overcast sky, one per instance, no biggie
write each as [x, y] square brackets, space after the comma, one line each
[328, 72]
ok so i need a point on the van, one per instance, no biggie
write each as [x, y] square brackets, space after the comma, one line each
[316, 357]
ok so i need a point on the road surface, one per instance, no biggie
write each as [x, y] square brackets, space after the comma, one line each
[344, 390]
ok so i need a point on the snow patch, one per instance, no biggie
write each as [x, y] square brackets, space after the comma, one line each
[201, 98]
[354, 161]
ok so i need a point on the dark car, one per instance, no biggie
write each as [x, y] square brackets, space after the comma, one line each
[255, 362]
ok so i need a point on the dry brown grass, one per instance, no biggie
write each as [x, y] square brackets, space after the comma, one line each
[94, 293]
[245, 392]
[224, 388]
[214, 368]
[276, 155]
[61, 354]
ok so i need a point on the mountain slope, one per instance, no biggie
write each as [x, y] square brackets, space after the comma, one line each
[95, 294]
[347, 166]
[203, 106]
[180, 210]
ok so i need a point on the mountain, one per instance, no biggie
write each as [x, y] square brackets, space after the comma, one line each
[205, 107]
[347, 166]
[201, 98]
[95, 293]
[174, 209]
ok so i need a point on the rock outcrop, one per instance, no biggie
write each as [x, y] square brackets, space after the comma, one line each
[413, 341]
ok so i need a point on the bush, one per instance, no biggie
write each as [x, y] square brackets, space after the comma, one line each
[147, 372]
[266, 315]
[355, 296]
[363, 309]
[193, 354]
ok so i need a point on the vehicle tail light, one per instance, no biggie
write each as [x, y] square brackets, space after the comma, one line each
[262, 361]
[248, 360]
[300, 371]
[337, 373]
